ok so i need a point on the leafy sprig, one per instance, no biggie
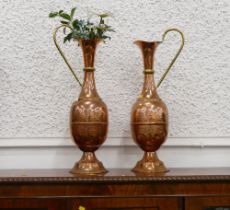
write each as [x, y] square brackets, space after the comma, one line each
[83, 29]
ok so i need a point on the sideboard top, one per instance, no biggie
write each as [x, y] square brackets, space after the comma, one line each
[114, 175]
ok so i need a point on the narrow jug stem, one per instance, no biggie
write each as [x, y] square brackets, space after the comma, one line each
[89, 86]
[149, 88]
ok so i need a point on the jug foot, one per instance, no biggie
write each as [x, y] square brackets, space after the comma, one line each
[150, 164]
[88, 164]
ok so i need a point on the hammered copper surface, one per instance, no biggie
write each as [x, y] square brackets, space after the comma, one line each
[89, 116]
[149, 118]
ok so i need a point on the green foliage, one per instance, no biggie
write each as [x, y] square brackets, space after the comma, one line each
[83, 29]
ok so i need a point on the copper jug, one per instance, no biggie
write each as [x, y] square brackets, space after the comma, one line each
[149, 116]
[89, 114]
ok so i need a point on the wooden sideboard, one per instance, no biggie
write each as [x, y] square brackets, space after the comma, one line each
[120, 189]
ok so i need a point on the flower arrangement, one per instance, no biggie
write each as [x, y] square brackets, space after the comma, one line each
[83, 29]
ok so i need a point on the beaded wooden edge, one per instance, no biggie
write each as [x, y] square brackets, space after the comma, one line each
[90, 179]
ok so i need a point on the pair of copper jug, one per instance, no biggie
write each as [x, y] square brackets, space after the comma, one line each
[89, 114]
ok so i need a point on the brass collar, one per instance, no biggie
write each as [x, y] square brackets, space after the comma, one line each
[148, 71]
[89, 69]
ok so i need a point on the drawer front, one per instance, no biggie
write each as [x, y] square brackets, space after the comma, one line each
[123, 203]
[208, 203]
[33, 204]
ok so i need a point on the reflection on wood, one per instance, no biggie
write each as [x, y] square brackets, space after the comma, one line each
[218, 208]
[24, 209]
[130, 208]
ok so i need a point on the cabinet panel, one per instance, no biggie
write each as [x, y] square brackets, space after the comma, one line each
[124, 203]
[32, 204]
[208, 203]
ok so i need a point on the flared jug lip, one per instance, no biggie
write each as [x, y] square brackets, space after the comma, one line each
[97, 40]
[88, 38]
[143, 41]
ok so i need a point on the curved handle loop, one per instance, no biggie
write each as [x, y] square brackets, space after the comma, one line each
[61, 53]
[175, 57]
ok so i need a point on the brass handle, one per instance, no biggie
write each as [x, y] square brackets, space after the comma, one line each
[62, 54]
[175, 57]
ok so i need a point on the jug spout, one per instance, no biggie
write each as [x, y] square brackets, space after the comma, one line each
[148, 49]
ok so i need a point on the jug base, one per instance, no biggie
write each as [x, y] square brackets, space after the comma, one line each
[150, 163]
[88, 165]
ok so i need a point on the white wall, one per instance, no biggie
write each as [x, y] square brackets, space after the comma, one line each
[37, 90]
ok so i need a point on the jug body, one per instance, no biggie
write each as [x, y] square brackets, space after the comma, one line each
[149, 120]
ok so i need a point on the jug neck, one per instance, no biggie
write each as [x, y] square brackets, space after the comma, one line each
[89, 51]
[89, 86]
[88, 47]
[148, 49]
